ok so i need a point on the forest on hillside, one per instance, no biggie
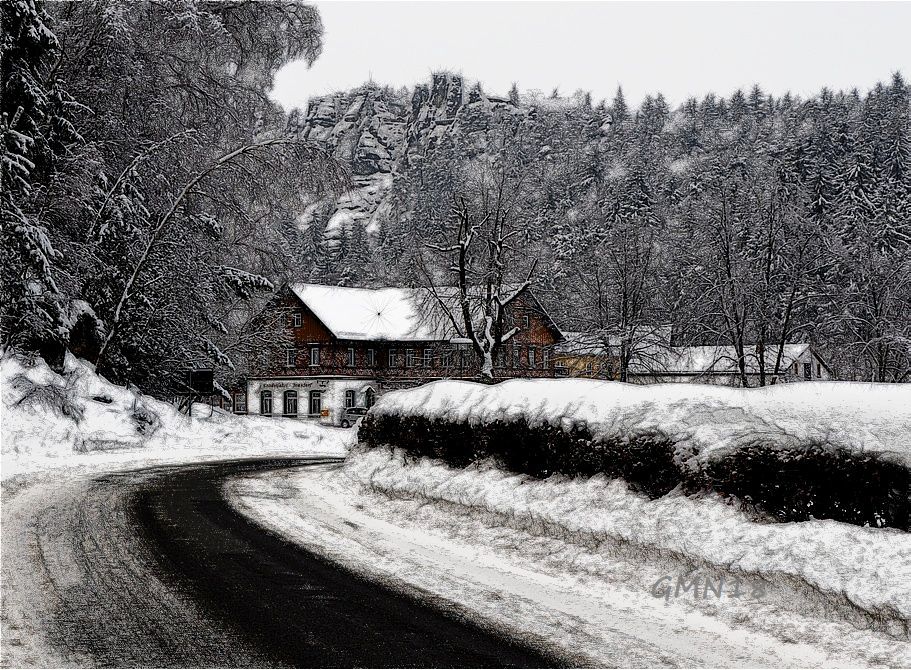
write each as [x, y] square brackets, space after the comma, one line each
[153, 196]
[749, 221]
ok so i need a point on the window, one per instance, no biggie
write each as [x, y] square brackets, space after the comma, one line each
[427, 361]
[349, 359]
[314, 356]
[819, 370]
[370, 398]
[796, 368]
[290, 408]
[265, 403]
[531, 357]
[808, 371]
[515, 357]
[446, 359]
[409, 358]
[371, 358]
[349, 399]
[589, 368]
[462, 359]
[316, 403]
[240, 403]
[290, 357]
[545, 355]
[297, 319]
[391, 358]
[525, 321]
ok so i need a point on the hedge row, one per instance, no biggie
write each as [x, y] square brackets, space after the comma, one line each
[790, 485]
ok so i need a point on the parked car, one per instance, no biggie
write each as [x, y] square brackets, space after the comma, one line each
[351, 416]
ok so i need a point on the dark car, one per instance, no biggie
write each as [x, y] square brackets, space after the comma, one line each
[351, 415]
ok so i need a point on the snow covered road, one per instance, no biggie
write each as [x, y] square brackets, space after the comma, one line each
[590, 620]
[153, 568]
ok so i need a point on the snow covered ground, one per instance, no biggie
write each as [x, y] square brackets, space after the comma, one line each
[516, 553]
[80, 422]
[704, 422]
[58, 432]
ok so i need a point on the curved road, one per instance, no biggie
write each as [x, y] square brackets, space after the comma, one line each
[153, 568]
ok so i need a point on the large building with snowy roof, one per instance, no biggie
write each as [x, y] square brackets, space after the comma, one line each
[334, 348]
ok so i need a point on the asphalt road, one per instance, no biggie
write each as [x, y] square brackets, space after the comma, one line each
[154, 568]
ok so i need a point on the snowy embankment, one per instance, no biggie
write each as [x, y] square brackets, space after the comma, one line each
[861, 573]
[704, 422]
[79, 421]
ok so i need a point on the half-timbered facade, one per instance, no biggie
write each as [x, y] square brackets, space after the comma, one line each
[338, 347]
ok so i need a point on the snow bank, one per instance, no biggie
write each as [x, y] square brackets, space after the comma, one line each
[864, 568]
[705, 422]
[51, 420]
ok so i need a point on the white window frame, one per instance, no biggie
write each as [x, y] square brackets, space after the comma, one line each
[240, 403]
[371, 358]
[427, 358]
[531, 358]
[297, 319]
[314, 357]
[311, 396]
[392, 358]
[290, 358]
[545, 358]
[290, 394]
[350, 399]
[409, 358]
[349, 357]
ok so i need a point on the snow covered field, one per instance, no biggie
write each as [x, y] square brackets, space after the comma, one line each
[80, 422]
[704, 422]
[584, 566]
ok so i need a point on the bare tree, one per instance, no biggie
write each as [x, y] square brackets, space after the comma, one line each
[481, 266]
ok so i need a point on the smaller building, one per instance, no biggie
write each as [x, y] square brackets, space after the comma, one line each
[719, 365]
[590, 356]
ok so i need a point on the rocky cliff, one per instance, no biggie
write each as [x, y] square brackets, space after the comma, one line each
[376, 131]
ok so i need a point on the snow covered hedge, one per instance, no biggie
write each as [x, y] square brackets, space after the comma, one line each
[814, 450]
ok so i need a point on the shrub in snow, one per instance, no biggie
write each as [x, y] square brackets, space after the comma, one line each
[799, 451]
[645, 462]
[817, 481]
[58, 398]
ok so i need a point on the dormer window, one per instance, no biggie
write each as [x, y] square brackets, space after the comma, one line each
[297, 319]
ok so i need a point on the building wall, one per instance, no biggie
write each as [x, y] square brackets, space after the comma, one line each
[332, 392]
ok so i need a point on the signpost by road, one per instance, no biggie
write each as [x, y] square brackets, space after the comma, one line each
[197, 384]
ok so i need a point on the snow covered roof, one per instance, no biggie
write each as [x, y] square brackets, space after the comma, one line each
[403, 314]
[371, 314]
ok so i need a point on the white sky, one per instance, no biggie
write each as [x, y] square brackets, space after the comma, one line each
[677, 48]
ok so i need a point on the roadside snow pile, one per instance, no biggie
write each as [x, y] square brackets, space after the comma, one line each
[51, 420]
[848, 567]
[792, 452]
[704, 422]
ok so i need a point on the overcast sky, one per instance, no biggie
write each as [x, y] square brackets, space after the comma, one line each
[677, 48]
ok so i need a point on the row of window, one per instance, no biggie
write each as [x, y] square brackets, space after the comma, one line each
[412, 359]
[297, 320]
[290, 402]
